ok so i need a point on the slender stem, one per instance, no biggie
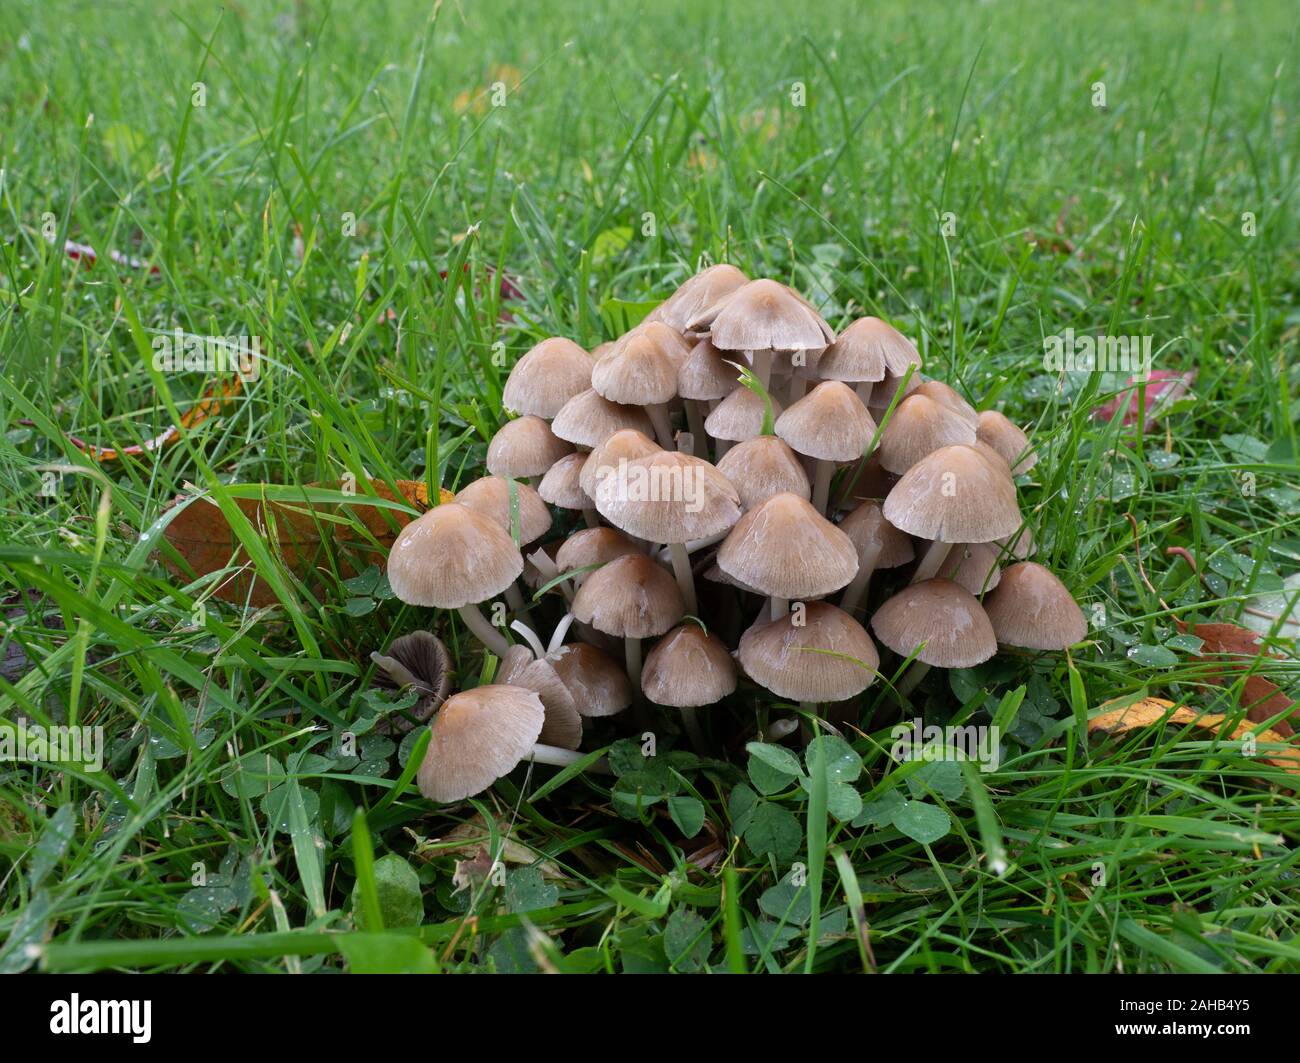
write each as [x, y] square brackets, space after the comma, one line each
[796, 389]
[557, 636]
[822, 484]
[592, 518]
[720, 447]
[691, 720]
[914, 675]
[779, 607]
[864, 391]
[685, 580]
[483, 631]
[530, 637]
[632, 658]
[762, 361]
[695, 422]
[516, 602]
[855, 590]
[932, 561]
[658, 413]
[562, 758]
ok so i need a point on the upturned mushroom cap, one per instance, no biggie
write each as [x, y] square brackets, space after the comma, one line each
[631, 597]
[739, 416]
[871, 533]
[785, 548]
[828, 657]
[547, 377]
[627, 445]
[707, 373]
[523, 447]
[697, 295]
[954, 496]
[562, 484]
[562, 726]
[867, 350]
[593, 546]
[598, 685]
[764, 316]
[947, 396]
[668, 497]
[479, 736]
[1008, 440]
[636, 372]
[452, 556]
[919, 426]
[829, 423]
[761, 467]
[490, 496]
[945, 617]
[1033, 609]
[688, 668]
[418, 660]
[973, 566]
[587, 420]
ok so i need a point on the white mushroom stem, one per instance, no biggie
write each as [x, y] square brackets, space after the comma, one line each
[796, 389]
[854, 591]
[632, 657]
[915, 674]
[691, 721]
[682, 570]
[530, 637]
[558, 635]
[483, 631]
[822, 484]
[562, 758]
[932, 561]
[864, 391]
[685, 443]
[780, 606]
[545, 564]
[695, 421]
[762, 363]
[658, 413]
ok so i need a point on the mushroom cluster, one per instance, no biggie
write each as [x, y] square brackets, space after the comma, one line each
[728, 487]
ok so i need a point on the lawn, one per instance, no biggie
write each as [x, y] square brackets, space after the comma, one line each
[397, 200]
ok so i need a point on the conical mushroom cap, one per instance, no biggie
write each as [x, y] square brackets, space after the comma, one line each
[739, 416]
[668, 497]
[490, 496]
[785, 548]
[947, 396]
[631, 597]
[696, 295]
[707, 373]
[761, 467]
[874, 536]
[598, 685]
[593, 546]
[636, 372]
[954, 496]
[667, 340]
[562, 726]
[829, 657]
[829, 423]
[1008, 440]
[627, 445]
[547, 377]
[944, 616]
[452, 556]
[587, 420]
[562, 484]
[688, 668]
[479, 736]
[867, 350]
[973, 566]
[1033, 609]
[523, 447]
[764, 316]
[919, 426]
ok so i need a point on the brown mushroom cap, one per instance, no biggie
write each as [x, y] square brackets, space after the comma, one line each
[919, 426]
[947, 396]
[598, 685]
[973, 566]
[547, 377]
[707, 373]
[828, 657]
[627, 445]
[1033, 609]
[688, 668]
[829, 423]
[761, 467]
[479, 736]
[784, 547]
[867, 350]
[637, 372]
[668, 497]
[945, 617]
[870, 480]
[562, 484]
[587, 420]
[764, 316]
[697, 294]
[1018, 546]
[630, 597]
[1008, 440]
[593, 546]
[739, 416]
[867, 528]
[523, 447]
[562, 726]
[883, 393]
[490, 496]
[450, 557]
[954, 496]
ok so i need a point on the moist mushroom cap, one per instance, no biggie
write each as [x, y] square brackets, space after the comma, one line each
[688, 668]
[947, 396]
[668, 497]
[562, 484]
[587, 419]
[945, 617]
[867, 350]
[829, 423]
[593, 546]
[452, 556]
[478, 736]
[764, 316]
[696, 294]
[954, 495]
[547, 377]
[829, 657]
[490, 496]
[562, 726]
[761, 467]
[630, 597]
[996, 430]
[739, 416]
[868, 529]
[919, 426]
[784, 547]
[523, 447]
[707, 373]
[636, 372]
[598, 685]
[1033, 609]
[629, 444]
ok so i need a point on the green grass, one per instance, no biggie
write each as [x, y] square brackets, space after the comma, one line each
[913, 110]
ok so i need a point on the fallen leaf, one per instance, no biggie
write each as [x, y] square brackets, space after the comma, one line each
[1164, 387]
[1232, 650]
[85, 254]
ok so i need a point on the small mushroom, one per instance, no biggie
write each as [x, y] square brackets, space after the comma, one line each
[521, 668]
[879, 545]
[593, 546]
[973, 566]
[707, 375]
[828, 657]
[562, 487]
[947, 396]
[919, 426]
[689, 668]
[547, 377]
[639, 371]
[738, 417]
[829, 424]
[1008, 440]
[761, 467]
[1032, 609]
[524, 448]
[587, 420]
[490, 496]
[627, 445]
[865, 352]
[420, 661]
[697, 294]
[938, 621]
[598, 685]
